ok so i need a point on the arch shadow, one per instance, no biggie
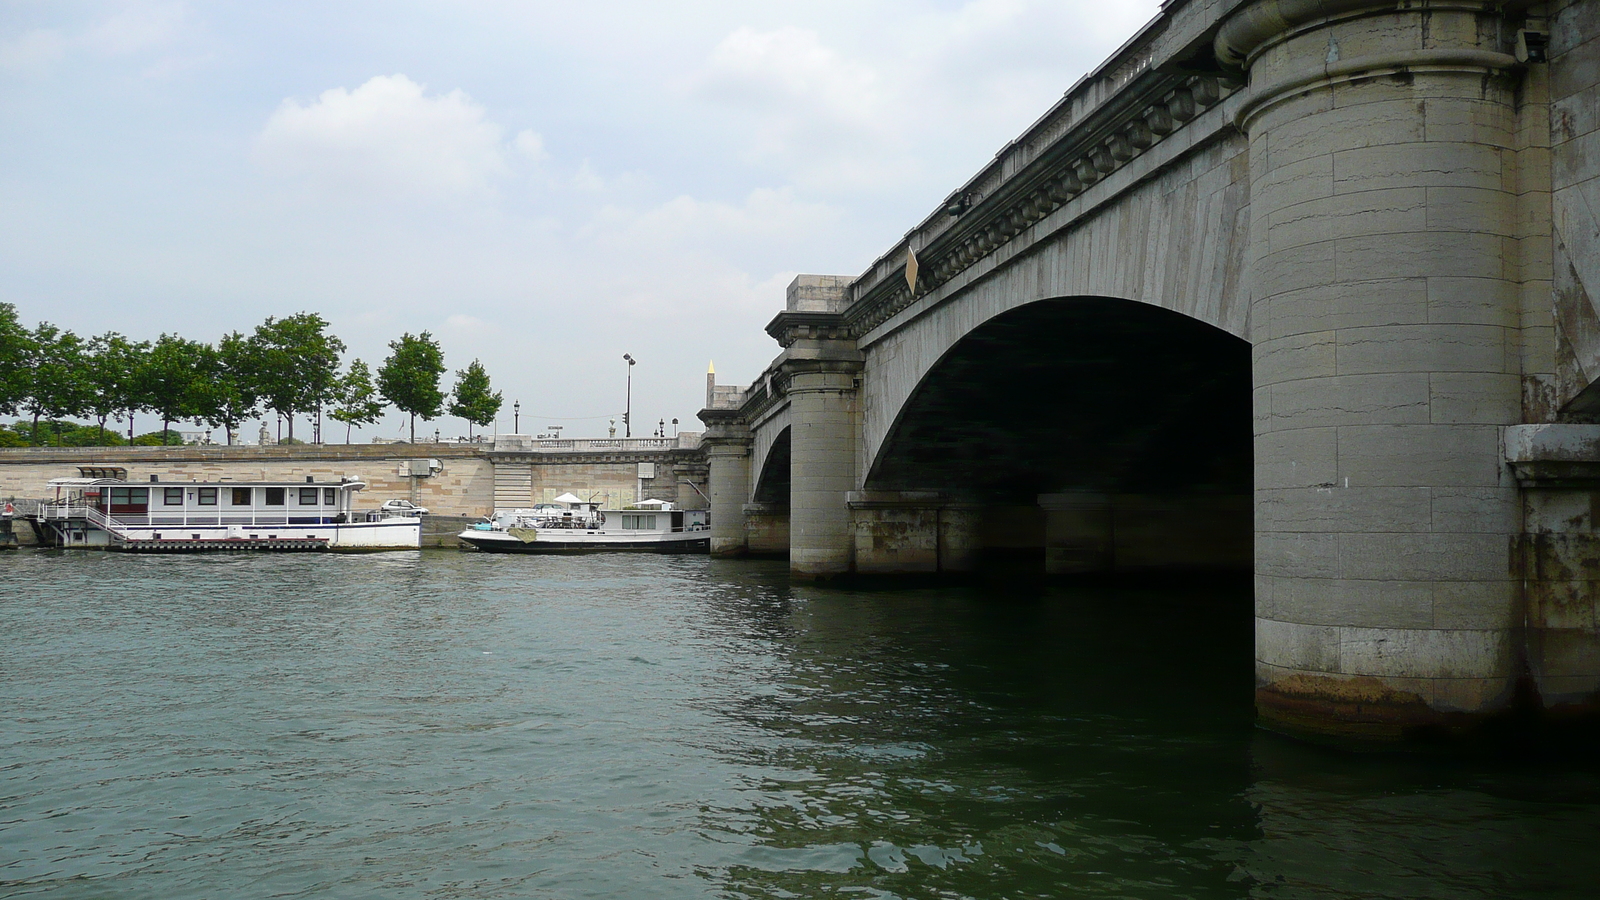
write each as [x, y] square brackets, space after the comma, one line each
[1073, 419]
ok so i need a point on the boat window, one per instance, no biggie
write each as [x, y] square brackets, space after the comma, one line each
[274, 496]
[172, 496]
[208, 496]
[241, 496]
[125, 497]
[329, 496]
[639, 522]
[308, 496]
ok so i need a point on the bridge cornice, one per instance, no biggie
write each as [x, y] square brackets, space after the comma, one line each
[1158, 83]
[1255, 27]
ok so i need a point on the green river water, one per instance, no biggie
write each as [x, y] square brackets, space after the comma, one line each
[440, 724]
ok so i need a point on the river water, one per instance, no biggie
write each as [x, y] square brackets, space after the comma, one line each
[462, 725]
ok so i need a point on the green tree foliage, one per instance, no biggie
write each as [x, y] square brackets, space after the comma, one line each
[163, 438]
[53, 364]
[14, 340]
[472, 399]
[110, 364]
[170, 380]
[295, 364]
[356, 401]
[409, 378]
[226, 393]
[62, 432]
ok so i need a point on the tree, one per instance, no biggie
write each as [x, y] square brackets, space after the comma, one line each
[14, 340]
[357, 400]
[134, 397]
[110, 364]
[294, 363]
[53, 365]
[171, 378]
[409, 378]
[471, 399]
[226, 394]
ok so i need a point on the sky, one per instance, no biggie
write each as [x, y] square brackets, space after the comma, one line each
[541, 186]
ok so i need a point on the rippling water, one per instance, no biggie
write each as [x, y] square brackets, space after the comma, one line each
[465, 725]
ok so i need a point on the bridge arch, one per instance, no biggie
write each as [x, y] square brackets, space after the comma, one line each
[772, 468]
[1075, 412]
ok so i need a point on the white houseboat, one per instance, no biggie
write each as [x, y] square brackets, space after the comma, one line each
[574, 526]
[100, 509]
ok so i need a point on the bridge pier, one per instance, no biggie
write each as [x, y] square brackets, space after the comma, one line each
[822, 398]
[766, 529]
[727, 443]
[913, 533]
[1388, 357]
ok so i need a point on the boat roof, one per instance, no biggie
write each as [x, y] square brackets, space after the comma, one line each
[353, 484]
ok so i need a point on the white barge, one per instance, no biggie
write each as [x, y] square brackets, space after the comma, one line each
[580, 527]
[101, 510]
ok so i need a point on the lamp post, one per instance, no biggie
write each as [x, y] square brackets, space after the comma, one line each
[516, 417]
[627, 415]
[674, 427]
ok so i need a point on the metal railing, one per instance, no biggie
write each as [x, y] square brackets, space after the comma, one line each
[117, 525]
[537, 445]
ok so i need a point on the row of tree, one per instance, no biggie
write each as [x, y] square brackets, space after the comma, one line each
[290, 366]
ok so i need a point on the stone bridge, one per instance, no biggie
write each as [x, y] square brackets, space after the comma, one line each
[1296, 287]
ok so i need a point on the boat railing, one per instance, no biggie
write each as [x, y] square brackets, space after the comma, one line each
[117, 524]
[105, 523]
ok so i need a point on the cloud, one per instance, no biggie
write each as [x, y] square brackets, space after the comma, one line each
[814, 111]
[839, 111]
[530, 145]
[388, 135]
[33, 49]
[135, 28]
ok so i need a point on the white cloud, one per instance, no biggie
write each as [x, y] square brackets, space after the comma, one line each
[33, 49]
[530, 145]
[387, 135]
[134, 28]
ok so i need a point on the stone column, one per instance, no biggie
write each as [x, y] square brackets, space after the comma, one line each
[822, 393]
[1386, 332]
[727, 443]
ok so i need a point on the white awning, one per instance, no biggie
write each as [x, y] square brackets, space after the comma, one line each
[568, 498]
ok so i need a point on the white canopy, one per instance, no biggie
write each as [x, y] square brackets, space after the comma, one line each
[651, 503]
[568, 498]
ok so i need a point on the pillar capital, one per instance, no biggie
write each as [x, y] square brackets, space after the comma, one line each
[1290, 47]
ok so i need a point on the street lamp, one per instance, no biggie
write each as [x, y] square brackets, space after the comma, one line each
[674, 427]
[516, 417]
[627, 415]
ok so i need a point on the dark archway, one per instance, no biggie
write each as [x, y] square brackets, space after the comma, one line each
[773, 484]
[1109, 433]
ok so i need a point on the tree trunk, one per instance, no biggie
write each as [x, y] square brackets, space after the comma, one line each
[290, 417]
[101, 438]
[166, 428]
[34, 439]
[130, 428]
[413, 428]
[347, 427]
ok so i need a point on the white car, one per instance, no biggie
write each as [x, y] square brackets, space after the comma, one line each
[402, 508]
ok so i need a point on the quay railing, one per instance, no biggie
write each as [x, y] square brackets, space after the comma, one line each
[566, 445]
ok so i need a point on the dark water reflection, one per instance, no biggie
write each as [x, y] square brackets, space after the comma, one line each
[471, 726]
